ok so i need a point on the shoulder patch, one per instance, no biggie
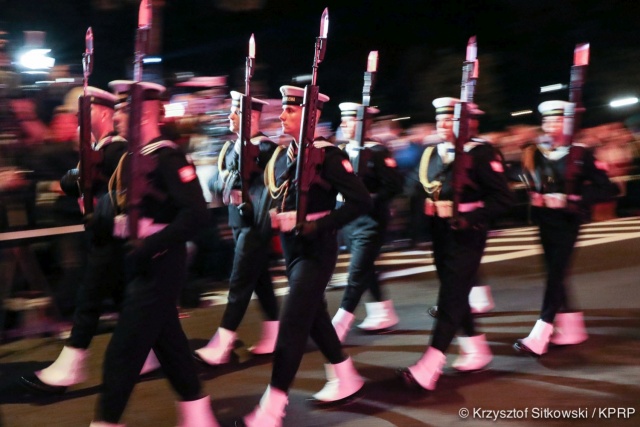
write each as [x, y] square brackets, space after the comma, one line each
[390, 162]
[187, 173]
[347, 165]
[603, 166]
[497, 166]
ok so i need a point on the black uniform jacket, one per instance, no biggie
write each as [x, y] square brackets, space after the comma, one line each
[112, 147]
[379, 173]
[259, 198]
[337, 176]
[171, 194]
[484, 180]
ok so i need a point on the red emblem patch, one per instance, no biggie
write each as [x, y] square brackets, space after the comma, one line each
[603, 166]
[187, 174]
[347, 165]
[390, 162]
[497, 166]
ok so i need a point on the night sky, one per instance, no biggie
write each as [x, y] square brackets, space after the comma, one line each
[522, 45]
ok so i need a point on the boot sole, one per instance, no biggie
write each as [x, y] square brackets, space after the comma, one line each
[345, 400]
[523, 349]
[34, 384]
[409, 381]
[472, 371]
[200, 360]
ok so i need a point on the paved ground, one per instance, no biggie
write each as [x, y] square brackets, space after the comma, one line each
[598, 380]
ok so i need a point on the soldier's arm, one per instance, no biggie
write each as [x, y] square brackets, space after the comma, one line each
[598, 187]
[185, 192]
[497, 197]
[337, 170]
[391, 180]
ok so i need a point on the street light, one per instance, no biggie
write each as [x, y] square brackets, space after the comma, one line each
[37, 59]
[623, 102]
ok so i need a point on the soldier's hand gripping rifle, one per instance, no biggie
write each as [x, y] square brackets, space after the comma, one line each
[134, 192]
[362, 115]
[309, 158]
[248, 151]
[461, 121]
[88, 157]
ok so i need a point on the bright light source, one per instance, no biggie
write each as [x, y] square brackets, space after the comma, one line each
[397, 119]
[303, 78]
[521, 113]
[622, 102]
[175, 109]
[37, 59]
[552, 88]
[151, 60]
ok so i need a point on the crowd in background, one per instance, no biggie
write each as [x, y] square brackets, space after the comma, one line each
[34, 155]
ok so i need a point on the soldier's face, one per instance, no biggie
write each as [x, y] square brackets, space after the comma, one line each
[121, 120]
[348, 126]
[444, 127]
[234, 120]
[290, 119]
[552, 126]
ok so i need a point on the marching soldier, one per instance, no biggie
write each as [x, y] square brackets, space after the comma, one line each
[251, 225]
[310, 250]
[458, 243]
[564, 180]
[172, 209]
[104, 274]
[366, 234]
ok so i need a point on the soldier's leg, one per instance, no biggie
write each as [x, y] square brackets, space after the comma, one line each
[102, 274]
[460, 269]
[250, 253]
[558, 246]
[308, 277]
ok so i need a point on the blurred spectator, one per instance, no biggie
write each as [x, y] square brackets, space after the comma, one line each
[33, 130]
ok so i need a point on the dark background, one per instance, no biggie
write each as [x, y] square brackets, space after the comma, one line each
[522, 45]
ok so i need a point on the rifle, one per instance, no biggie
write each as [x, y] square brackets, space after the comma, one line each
[361, 116]
[248, 151]
[134, 194]
[461, 119]
[307, 164]
[88, 157]
[574, 109]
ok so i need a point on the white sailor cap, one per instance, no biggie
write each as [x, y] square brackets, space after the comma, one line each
[552, 108]
[350, 109]
[292, 95]
[446, 105]
[151, 91]
[256, 104]
[101, 97]
[97, 96]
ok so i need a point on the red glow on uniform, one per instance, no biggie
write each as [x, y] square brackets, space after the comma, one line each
[187, 174]
[347, 165]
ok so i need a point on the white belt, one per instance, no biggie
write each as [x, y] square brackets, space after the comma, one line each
[444, 208]
[552, 200]
[146, 227]
[286, 221]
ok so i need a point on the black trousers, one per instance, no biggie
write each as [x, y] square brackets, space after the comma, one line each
[457, 255]
[103, 277]
[149, 319]
[310, 264]
[366, 237]
[558, 236]
[250, 273]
